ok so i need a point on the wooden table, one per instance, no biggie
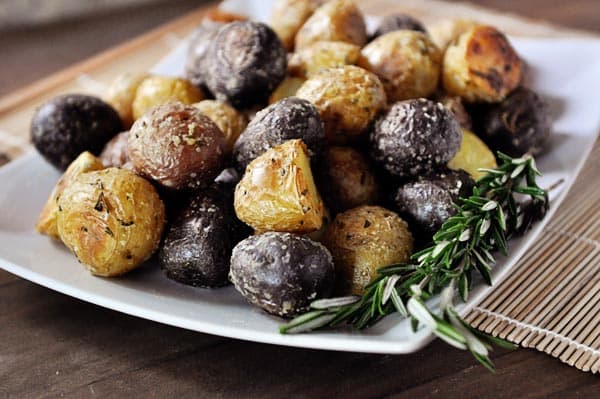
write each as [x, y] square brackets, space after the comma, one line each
[53, 345]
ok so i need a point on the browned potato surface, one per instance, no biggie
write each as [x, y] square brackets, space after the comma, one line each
[122, 92]
[348, 99]
[288, 16]
[158, 90]
[46, 223]
[407, 63]
[287, 88]
[348, 179]
[177, 146]
[313, 59]
[111, 220]
[277, 192]
[228, 119]
[481, 66]
[336, 20]
[364, 239]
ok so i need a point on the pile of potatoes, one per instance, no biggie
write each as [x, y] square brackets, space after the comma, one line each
[292, 159]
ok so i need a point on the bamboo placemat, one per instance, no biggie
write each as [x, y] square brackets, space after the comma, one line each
[551, 300]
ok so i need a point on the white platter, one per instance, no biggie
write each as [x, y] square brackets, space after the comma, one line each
[566, 72]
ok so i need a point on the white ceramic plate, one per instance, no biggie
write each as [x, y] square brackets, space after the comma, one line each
[565, 72]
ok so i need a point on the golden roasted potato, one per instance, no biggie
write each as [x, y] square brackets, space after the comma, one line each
[472, 155]
[288, 16]
[277, 192]
[336, 20]
[361, 241]
[231, 122]
[46, 223]
[158, 90]
[407, 62]
[348, 99]
[313, 59]
[444, 32]
[481, 66]
[348, 179]
[111, 220]
[287, 88]
[121, 93]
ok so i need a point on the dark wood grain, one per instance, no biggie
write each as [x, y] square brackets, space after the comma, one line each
[52, 345]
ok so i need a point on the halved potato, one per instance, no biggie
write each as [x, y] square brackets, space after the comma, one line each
[481, 66]
[472, 155]
[46, 223]
[278, 193]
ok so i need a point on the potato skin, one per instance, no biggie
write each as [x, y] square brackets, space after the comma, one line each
[195, 62]
[363, 239]
[177, 146]
[395, 22]
[290, 118]
[231, 122]
[121, 93]
[407, 62]
[197, 246]
[245, 63]
[287, 88]
[111, 220]
[348, 180]
[446, 31]
[322, 55]
[481, 66]
[158, 90]
[455, 104]
[415, 137]
[277, 192]
[428, 202]
[115, 152]
[336, 20]
[520, 124]
[348, 99]
[288, 16]
[46, 223]
[65, 126]
[282, 273]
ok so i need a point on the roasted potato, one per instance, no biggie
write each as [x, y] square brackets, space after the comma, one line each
[287, 88]
[111, 220]
[313, 59]
[245, 63]
[197, 246]
[348, 99]
[395, 22]
[415, 137]
[65, 126]
[518, 125]
[288, 16]
[473, 155]
[446, 31]
[455, 104]
[348, 180]
[429, 201]
[177, 146]
[282, 273]
[277, 192]
[336, 20]
[407, 63]
[231, 122]
[115, 152]
[158, 90]
[121, 93]
[481, 66]
[46, 223]
[290, 118]
[363, 239]
[195, 61]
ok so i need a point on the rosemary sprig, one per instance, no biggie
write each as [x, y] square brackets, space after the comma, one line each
[504, 203]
